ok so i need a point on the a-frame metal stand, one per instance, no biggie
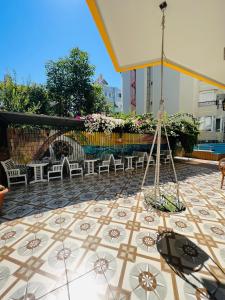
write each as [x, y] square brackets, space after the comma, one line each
[157, 192]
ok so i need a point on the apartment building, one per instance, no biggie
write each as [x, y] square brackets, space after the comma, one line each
[141, 94]
[113, 95]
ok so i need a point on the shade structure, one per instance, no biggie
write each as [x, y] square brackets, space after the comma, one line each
[194, 35]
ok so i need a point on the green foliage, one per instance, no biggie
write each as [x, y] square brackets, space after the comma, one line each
[98, 104]
[69, 90]
[183, 128]
[69, 82]
[137, 123]
[38, 95]
[180, 127]
[15, 97]
[31, 98]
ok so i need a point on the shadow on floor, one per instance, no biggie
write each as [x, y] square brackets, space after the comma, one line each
[186, 259]
[38, 198]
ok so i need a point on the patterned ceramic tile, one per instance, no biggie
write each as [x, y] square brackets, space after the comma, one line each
[96, 239]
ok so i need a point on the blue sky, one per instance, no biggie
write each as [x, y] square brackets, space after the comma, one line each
[35, 31]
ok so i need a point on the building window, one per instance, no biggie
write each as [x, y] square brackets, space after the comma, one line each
[206, 123]
[218, 125]
[207, 96]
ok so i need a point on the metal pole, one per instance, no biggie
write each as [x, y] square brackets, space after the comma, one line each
[173, 166]
[160, 117]
[150, 156]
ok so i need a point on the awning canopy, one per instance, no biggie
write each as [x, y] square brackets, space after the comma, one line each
[9, 118]
[194, 35]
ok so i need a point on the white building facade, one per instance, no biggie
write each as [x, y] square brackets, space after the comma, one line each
[113, 95]
[141, 94]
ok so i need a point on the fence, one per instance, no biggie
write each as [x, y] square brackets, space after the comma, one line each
[25, 145]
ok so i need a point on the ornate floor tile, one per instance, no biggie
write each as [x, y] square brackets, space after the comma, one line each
[146, 281]
[113, 247]
[61, 293]
[205, 213]
[78, 206]
[114, 234]
[197, 201]
[215, 230]
[150, 219]
[98, 210]
[85, 227]
[146, 242]
[59, 221]
[58, 202]
[38, 215]
[63, 254]
[10, 235]
[88, 196]
[7, 271]
[181, 225]
[127, 202]
[78, 289]
[32, 244]
[122, 214]
[29, 290]
[18, 212]
[202, 288]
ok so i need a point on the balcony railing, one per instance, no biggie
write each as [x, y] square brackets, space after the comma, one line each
[207, 103]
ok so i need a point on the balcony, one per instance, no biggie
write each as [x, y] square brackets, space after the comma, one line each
[207, 103]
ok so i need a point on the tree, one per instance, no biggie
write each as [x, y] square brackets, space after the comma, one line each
[70, 86]
[98, 104]
[31, 98]
[38, 95]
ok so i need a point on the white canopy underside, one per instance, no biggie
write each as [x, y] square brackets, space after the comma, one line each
[194, 35]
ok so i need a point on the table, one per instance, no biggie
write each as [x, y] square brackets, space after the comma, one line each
[129, 162]
[38, 171]
[90, 166]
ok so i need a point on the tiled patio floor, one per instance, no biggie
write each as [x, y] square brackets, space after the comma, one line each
[95, 240]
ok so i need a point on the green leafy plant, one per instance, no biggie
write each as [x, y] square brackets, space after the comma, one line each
[181, 128]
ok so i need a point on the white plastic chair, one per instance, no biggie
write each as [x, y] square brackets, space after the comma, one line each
[166, 160]
[118, 164]
[74, 169]
[104, 167]
[151, 161]
[56, 171]
[14, 171]
[140, 162]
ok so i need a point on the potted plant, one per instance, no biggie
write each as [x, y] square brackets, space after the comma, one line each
[3, 191]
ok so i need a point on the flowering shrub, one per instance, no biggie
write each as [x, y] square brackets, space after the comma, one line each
[141, 124]
[99, 122]
[180, 127]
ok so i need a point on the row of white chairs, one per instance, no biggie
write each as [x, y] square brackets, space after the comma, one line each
[57, 169]
[74, 169]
